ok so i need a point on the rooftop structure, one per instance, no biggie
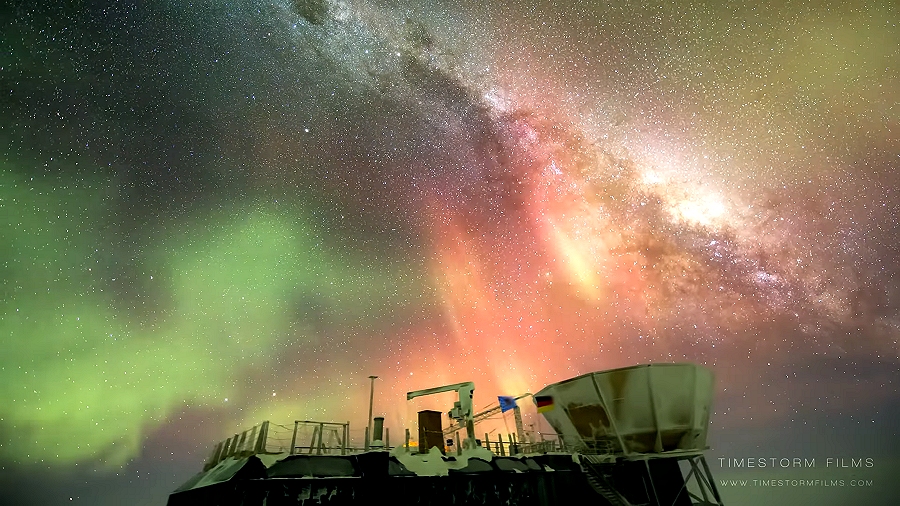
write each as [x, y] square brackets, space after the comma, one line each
[626, 437]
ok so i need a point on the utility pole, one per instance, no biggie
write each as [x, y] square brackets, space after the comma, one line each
[371, 398]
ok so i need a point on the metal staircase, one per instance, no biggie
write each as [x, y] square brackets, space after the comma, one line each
[600, 483]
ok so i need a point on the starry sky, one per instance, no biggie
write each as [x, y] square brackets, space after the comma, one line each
[214, 213]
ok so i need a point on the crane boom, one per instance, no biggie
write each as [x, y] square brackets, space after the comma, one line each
[462, 409]
[436, 390]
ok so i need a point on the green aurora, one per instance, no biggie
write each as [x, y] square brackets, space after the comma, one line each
[86, 379]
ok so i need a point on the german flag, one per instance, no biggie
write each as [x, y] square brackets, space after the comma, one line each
[544, 403]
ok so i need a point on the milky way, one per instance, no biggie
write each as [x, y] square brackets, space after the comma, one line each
[218, 214]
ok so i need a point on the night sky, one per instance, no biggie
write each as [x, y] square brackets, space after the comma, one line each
[218, 213]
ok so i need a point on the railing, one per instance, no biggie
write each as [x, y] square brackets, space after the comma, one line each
[512, 446]
[318, 442]
[306, 436]
[598, 446]
[249, 442]
[334, 438]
